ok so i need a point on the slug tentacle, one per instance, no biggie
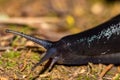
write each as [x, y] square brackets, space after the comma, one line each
[49, 54]
[44, 43]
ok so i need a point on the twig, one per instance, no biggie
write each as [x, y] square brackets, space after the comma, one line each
[5, 48]
[106, 70]
[28, 20]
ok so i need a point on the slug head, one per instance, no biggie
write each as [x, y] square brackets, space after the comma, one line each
[50, 53]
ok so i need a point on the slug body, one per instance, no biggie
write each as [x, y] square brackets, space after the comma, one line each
[97, 45]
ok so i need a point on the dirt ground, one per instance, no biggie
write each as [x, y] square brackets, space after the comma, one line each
[50, 20]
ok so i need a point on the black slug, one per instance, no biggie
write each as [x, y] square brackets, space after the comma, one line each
[97, 45]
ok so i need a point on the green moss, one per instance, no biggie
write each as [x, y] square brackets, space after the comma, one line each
[117, 77]
[1, 62]
[11, 54]
[35, 57]
[14, 43]
[10, 64]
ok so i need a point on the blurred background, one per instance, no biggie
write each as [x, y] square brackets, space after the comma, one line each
[61, 18]
[51, 20]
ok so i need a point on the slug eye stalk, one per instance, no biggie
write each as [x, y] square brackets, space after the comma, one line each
[44, 43]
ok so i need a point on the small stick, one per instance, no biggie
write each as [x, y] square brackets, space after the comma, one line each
[29, 20]
[106, 70]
